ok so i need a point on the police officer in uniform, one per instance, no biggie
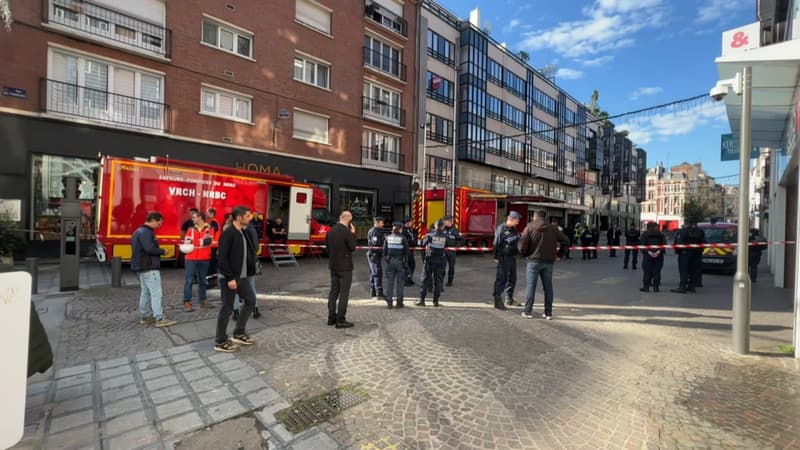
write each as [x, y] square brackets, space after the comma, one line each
[652, 259]
[587, 240]
[696, 236]
[505, 255]
[375, 239]
[454, 239]
[689, 259]
[395, 253]
[411, 236]
[433, 265]
[632, 237]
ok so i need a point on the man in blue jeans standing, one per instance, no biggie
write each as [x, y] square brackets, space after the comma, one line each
[146, 262]
[542, 244]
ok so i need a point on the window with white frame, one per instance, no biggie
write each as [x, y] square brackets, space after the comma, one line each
[104, 91]
[311, 71]
[381, 147]
[314, 15]
[381, 102]
[310, 127]
[383, 57]
[228, 38]
[225, 104]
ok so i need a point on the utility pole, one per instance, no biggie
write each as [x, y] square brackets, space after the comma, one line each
[741, 281]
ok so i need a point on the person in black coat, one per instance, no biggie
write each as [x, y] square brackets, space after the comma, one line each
[595, 241]
[632, 237]
[236, 261]
[757, 246]
[341, 243]
[653, 258]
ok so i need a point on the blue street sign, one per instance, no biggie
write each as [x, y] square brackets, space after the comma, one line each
[729, 149]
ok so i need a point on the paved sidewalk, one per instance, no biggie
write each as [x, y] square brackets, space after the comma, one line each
[617, 368]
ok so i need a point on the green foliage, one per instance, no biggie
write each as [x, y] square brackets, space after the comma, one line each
[11, 240]
[786, 349]
[523, 55]
[695, 211]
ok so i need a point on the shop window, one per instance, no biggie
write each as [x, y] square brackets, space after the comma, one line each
[360, 202]
[48, 171]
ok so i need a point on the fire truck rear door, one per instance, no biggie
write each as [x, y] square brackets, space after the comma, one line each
[299, 226]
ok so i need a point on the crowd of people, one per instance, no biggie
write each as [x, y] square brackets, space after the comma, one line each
[228, 255]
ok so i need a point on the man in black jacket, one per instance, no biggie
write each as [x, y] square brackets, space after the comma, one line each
[146, 262]
[341, 243]
[505, 256]
[236, 261]
[632, 237]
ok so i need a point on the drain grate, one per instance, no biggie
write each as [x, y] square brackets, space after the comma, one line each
[304, 414]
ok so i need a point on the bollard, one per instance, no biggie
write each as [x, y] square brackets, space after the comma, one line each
[116, 272]
[32, 267]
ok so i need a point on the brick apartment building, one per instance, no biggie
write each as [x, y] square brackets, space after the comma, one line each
[319, 90]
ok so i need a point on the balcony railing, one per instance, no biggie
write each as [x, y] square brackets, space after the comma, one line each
[438, 137]
[441, 57]
[439, 97]
[383, 111]
[384, 63]
[378, 157]
[103, 106]
[100, 21]
[439, 178]
[386, 18]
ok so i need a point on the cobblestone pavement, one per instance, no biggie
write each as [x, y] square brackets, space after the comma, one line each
[616, 368]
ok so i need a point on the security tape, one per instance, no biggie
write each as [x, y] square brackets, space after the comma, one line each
[577, 247]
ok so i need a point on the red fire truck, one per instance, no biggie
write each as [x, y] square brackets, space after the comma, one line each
[130, 188]
[474, 213]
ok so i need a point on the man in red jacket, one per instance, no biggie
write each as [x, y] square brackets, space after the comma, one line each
[201, 235]
[542, 244]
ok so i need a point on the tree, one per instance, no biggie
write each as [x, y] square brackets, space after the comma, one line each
[5, 14]
[594, 107]
[524, 56]
[695, 211]
[549, 71]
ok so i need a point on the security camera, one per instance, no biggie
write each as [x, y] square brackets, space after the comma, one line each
[718, 92]
[721, 89]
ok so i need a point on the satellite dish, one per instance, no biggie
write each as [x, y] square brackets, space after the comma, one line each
[284, 114]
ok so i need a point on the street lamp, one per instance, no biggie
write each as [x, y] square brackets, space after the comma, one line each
[741, 85]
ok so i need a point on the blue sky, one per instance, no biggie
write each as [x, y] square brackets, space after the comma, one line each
[636, 53]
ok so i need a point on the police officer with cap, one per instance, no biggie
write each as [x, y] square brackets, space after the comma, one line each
[632, 237]
[395, 253]
[411, 236]
[375, 239]
[433, 265]
[454, 238]
[505, 255]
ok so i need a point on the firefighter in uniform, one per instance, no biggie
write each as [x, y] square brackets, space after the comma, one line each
[454, 239]
[375, 239]
[505, 255]
[411, 236]
[395, 253]
[433, 265]
[652, 259]
[632, 237]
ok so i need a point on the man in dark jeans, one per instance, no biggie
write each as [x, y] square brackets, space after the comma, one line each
[236, 261]
[341, 243]
[542, 244]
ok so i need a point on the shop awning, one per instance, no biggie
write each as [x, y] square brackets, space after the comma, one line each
[775, 70]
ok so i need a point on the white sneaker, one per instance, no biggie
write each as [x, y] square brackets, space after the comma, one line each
[546, 317]
[526, 315]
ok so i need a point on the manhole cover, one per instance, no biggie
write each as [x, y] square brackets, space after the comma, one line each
[304, 414]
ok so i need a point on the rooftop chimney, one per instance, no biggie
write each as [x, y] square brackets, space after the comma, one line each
[475, 17]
